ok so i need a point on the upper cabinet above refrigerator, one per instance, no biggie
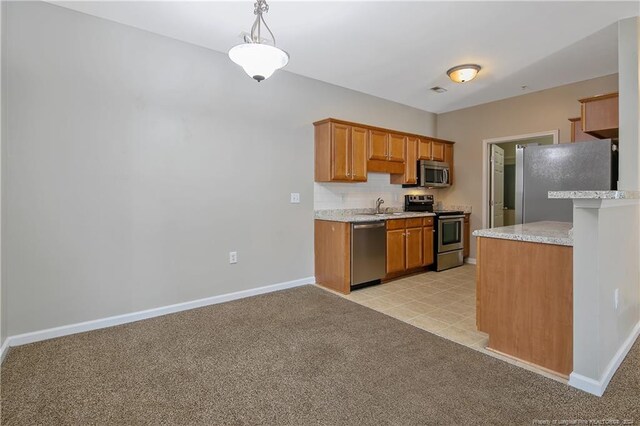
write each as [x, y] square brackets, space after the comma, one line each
[599, 115]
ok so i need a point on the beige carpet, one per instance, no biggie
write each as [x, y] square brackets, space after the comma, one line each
[300, 356]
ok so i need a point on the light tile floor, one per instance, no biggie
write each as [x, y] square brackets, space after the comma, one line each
[442, 303]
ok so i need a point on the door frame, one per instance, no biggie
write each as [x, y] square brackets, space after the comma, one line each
[486, 168]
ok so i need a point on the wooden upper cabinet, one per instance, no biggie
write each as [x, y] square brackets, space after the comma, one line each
[346, 151]
[378, 145]
[414, 248]
[359, 139]
[410, 175]
[448, 158]
[577, 135]
[424, 149]
[599, 115]
[396, 151]
[340, 152]
[437, 151]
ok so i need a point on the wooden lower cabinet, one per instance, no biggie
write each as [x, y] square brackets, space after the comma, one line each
[427, 244]
[414, 247]
[466, 234]
[409, 245]
[396, 250]
[332, 250]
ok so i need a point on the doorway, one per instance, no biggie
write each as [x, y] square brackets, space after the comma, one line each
[499, 176]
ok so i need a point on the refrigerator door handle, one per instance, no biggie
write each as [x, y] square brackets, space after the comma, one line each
[520, 149]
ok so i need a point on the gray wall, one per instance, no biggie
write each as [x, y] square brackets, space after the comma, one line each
[134, 163]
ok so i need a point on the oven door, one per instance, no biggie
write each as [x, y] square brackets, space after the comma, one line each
[450, 233]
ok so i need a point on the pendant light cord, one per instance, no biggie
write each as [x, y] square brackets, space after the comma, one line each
[260, 7]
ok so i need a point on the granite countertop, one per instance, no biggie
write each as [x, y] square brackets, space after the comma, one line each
[594, 195]
[547, 232]
[360, 215]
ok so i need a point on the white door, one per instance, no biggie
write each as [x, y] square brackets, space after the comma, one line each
[497, 186]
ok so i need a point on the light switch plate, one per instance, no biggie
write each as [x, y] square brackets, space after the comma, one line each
[295, 198]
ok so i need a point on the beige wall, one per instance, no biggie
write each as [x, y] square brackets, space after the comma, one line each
[150, 159]
[530, 113]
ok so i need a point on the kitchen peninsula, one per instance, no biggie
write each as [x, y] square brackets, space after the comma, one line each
[525, 293]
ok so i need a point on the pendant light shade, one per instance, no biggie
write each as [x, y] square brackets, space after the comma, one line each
[463, 73]
[259, 57]
[259, 61]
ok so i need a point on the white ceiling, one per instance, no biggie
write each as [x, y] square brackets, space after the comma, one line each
[398, 50]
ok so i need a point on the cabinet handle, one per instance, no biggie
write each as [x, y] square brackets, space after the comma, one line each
[348, 174]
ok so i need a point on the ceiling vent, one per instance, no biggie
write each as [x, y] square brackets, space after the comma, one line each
[438, 89]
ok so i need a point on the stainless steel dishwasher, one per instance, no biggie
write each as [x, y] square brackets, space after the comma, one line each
[368, 252]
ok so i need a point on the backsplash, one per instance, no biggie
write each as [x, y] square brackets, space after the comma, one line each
[362, 195]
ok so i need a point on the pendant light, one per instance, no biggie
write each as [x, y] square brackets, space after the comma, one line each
[463, 73]
[257, 56]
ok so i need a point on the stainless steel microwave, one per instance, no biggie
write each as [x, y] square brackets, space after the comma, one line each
[433, 174]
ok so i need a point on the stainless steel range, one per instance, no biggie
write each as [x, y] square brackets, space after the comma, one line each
[448, 239]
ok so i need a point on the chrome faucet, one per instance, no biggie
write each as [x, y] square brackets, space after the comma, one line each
[379, 202]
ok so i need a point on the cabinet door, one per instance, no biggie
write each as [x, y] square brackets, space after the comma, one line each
[577, 135]
[378, 145]
[424, 149]
[340, 152]
[437, 151]
[448, 158]
[395, 251]
[359, 154]
[427, 240]
[411, 168]
[415, 247]
[396, 147]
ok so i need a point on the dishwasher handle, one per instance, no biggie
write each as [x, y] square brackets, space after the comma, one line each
[368, 225]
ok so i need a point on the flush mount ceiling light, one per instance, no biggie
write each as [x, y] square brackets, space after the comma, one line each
[463, 73]
[259, 57]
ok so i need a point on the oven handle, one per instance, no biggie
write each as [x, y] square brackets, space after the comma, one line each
[441, 218]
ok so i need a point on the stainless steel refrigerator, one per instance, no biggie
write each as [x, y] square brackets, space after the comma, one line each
[577, 166]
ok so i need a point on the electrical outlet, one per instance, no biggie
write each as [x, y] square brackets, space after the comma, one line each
[616, 298]
[295, 197]
[233, 257]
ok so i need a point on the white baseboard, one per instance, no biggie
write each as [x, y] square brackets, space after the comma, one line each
[37, 336]
[470, 260]
[4, 349]
[597, 387]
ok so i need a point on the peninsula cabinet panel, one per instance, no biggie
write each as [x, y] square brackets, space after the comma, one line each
[525, 301]
[378, 145]
[332, 247]
[396, 147]
[359, 154]
[427, 238]
[396, 251]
